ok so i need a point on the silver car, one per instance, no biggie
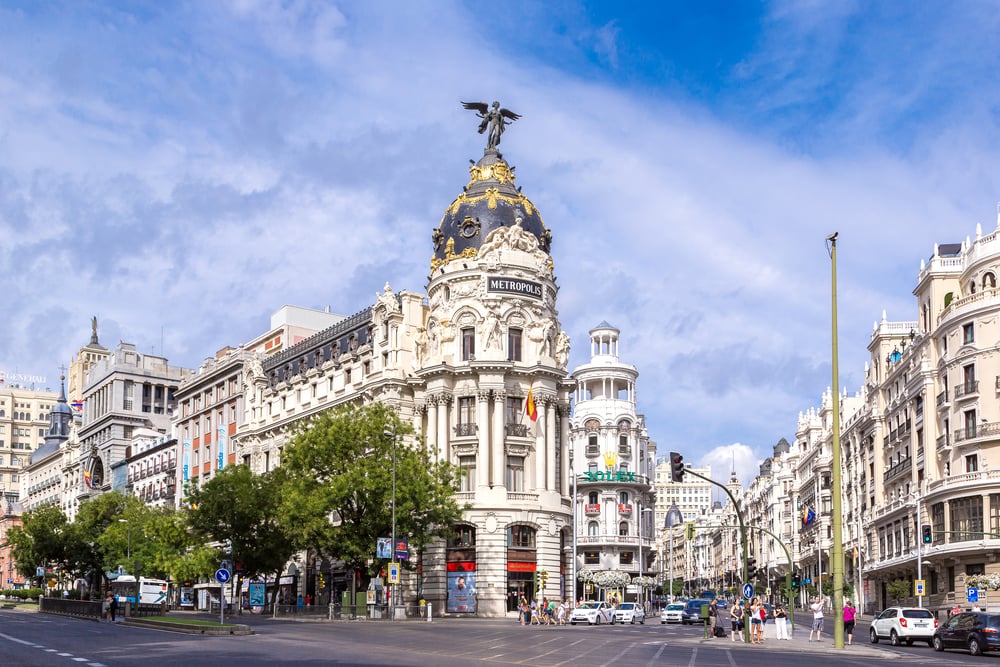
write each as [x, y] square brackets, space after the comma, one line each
[904, 625]
[673, 613]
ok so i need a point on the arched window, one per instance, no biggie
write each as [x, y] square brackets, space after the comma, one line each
[521, 537]
[989, 281]
[623, 498]
[972, 287]
[593, 528]
[592, 498]
[464, 536]
[623, 528]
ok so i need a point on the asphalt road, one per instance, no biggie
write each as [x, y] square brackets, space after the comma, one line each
[41, 639]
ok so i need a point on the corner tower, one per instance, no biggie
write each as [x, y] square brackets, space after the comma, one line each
[491, 389]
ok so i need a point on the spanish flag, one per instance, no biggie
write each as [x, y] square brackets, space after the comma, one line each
[86, 477]
[529, 406]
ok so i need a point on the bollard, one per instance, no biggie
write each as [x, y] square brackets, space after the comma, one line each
[430, 611]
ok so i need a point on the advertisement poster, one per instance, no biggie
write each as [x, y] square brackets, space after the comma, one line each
[187, 597]
[256, 595]
[461, 592]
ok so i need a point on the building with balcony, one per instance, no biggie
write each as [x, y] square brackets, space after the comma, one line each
[457, 361]
[24, 424]
[613, 461]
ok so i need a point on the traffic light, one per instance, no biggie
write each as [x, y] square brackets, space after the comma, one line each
[926, 531]
[796, 580]
[689, 532]
[676, 467]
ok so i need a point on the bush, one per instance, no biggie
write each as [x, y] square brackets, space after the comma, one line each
[22, 594]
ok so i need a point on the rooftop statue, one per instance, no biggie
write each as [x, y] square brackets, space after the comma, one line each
[494, 120]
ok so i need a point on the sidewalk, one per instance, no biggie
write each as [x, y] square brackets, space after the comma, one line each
[798, 642]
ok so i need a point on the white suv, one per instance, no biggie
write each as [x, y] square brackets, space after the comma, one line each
[904, 624]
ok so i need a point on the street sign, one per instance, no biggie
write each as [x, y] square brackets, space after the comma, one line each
[768, 591]
[918, 588]
[748, 591]
[222, 575]
[972, 594]
[393, 573]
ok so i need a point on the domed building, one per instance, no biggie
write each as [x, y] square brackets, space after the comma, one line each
[478, 366]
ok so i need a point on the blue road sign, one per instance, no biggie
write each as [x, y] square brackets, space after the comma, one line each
[972, 594]
[222, 575]
[748, 591]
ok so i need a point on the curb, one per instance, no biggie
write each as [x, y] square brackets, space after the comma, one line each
[186, 628]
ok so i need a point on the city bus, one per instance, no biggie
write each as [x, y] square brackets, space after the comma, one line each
[151, 591]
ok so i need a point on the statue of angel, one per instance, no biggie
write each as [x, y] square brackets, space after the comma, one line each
[494, 120]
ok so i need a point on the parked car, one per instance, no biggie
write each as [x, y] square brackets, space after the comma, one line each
[674, 613]
[630, 612]
[904, 624]
[692, 611]
[593, 613]
[975, 631]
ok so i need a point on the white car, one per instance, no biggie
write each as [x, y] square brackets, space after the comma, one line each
[673, 613]
[593, 613]
[904, 624]
[630, 612]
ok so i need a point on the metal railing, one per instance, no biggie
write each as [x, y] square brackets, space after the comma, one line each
[966, 388]
[465, 429]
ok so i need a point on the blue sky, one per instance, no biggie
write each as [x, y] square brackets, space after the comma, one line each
[191, 167]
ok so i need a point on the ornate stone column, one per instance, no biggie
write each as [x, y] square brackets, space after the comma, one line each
[499, 437]
[444, 426]
[483, 433]
[432, 432]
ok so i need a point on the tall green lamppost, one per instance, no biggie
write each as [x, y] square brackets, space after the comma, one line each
[837, 552]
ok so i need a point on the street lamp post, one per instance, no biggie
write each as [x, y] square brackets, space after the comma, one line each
[393, 589]
[673, 518]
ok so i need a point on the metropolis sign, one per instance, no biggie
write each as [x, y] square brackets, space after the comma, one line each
[514, 286]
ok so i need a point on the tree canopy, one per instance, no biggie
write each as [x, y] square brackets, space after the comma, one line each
[338, 485]
[241, 509]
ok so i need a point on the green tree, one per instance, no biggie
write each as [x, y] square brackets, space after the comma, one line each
[175, 550]
[898, 589]
[240, 512]
[42, 539]
[338, 472]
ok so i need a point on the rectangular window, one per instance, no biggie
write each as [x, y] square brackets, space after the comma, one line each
[937, 523]
[468, 344]
[467, 465]
[966, 519]
[626, 557]
[515, 473]
[514, 409]
[969, 385]
[467, 410]
[995, 513]
[513, 344]
[972, 463]
[591, 557]
[968, 334]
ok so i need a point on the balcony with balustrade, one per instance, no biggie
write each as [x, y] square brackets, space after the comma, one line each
[465, 430]
[976, 433]
[967, 390]
[624, 510]
[904, 466]
[592, 509]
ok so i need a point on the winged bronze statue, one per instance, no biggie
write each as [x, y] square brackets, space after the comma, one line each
[494, 120]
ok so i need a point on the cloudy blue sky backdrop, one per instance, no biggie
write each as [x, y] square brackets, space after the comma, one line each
[191, 167]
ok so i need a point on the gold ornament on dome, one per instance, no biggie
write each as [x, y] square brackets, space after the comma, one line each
[492, 195]
[450, 254]
[499, 171]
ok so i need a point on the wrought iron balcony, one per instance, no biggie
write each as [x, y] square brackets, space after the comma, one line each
[465, 429]
[967, 388]
[519, 430]
[592, 508]
[624, 509]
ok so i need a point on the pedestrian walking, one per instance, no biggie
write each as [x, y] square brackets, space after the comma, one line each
[817, 626]
[113, 608]
[106, 607]
[780, 622]
[736, 620]
[849, 613]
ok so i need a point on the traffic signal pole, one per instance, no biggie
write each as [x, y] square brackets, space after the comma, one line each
[743, 531]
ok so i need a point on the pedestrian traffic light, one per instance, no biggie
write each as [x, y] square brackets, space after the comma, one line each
[676, 467]
[689, 532]
[926, 531]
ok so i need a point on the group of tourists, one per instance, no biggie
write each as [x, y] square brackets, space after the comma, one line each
[546, 612]
[755, 613]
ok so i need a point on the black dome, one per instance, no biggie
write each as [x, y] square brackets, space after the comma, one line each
[488, 202]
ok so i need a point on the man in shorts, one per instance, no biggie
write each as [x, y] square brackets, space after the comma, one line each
[817, 626]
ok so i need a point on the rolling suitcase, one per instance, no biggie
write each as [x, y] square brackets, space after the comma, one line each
[720, 631]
